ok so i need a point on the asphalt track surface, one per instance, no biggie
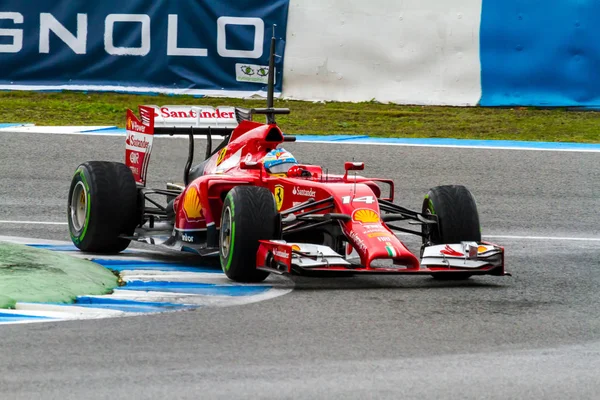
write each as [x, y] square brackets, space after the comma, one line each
[533, 335]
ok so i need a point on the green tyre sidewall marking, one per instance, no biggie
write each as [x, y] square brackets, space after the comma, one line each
[430, 204]
[227, 265]
[79, 238]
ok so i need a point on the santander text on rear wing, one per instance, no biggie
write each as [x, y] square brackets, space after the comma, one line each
[175, 120]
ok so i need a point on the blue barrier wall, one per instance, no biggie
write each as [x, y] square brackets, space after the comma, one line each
[191, 45]
[540, 52]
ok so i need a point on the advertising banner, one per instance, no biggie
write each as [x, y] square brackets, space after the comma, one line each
[185, 46]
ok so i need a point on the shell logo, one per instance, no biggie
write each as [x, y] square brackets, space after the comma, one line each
[295, 247]
[482, 249]
[128, 124]
[365, 215]
[191, 205]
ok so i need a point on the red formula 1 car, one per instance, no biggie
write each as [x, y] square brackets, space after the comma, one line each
[258, 220]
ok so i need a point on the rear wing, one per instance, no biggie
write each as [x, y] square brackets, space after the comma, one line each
[182, 120]
[172, 120]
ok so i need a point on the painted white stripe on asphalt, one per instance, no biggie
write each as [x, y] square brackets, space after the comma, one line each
[194, 299]
[33, 222]
[524, 237]
[453, 146]
[63, 311]
[299, 140]
[176, 276]
[575, 239]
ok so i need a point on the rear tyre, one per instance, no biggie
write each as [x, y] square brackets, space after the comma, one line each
[458, 220]
[249, 215]
[102, 207]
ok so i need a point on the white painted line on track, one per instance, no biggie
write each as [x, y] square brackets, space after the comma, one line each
[33, 222]
[453, 146]
[520, 146]
[565, 238]
[519, 237]
[525, 237]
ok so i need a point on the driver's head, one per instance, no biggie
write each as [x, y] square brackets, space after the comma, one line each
[278, 161]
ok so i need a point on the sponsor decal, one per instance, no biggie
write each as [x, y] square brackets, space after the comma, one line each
[449, 251]
[189, 112]
[482, 249]
[187, 238]
[252, 73]
[137, 142]
[280, 253]
[135, 126]
[134, 157]
[384, 239]
[358, 241]
[191, 205]
[303, 192]
[365, 215]
[82, 43]
[378, 234]
[221, 156]
[295, 247]
[364, 199]
[230, 162]
[279, 192]
[391, 251]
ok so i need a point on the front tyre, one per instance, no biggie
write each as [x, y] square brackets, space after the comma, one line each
[249, 215]
[458, 220]
[102, 207]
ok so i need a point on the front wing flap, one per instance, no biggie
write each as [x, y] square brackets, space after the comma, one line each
[280, 257]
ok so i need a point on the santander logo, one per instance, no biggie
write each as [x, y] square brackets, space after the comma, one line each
[135, 142]
[188, 112]
[303, 192]
[282, 254]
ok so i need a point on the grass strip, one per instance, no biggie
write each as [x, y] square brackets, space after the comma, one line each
[371, 118]
[28, 274]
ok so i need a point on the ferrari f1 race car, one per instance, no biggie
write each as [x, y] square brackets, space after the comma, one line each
[260, 211]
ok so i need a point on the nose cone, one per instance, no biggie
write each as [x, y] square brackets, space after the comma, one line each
[373, 241]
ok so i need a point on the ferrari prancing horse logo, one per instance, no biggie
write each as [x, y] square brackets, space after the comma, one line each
[278, 196]
[221, 156]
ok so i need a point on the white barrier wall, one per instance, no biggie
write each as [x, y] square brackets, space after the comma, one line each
[400, 51]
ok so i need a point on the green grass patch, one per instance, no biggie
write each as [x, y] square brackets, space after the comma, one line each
[28, 274]
[370, 118]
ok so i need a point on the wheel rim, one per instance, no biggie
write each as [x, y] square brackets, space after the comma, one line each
[225, 234]
[78, 208]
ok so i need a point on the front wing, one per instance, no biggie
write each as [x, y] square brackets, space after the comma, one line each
[280, 257]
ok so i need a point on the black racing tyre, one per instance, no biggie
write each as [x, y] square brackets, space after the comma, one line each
[458, 220]
[102, 207]
[249, 215]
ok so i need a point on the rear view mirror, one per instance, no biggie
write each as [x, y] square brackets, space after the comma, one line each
[354, 166]
[252, 165]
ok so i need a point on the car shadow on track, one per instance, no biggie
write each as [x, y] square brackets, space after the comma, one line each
[357, 283]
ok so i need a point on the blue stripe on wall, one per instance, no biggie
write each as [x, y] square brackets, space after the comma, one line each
[542, 53]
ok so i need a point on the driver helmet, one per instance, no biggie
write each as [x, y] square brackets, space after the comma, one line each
[279, 161]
